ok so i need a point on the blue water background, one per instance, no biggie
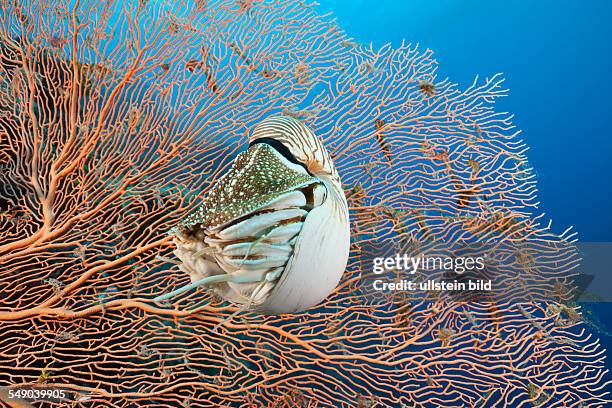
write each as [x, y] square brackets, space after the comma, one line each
[556, 57]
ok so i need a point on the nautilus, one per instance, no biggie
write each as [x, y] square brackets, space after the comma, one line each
[273, 233]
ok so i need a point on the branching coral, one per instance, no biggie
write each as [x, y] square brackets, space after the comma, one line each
[117, 117]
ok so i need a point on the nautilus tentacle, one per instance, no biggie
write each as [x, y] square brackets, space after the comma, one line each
[273, 233]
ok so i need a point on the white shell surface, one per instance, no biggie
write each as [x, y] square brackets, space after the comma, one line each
[318, 262]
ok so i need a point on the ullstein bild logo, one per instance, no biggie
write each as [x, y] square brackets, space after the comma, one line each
[410, 265]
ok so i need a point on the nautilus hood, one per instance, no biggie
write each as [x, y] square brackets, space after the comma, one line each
[258, 176]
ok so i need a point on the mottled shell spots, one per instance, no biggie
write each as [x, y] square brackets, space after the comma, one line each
[258, 176]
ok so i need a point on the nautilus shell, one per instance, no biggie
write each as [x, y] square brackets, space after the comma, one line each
[273, 233]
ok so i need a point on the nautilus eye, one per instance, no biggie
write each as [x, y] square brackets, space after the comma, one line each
[273, 232]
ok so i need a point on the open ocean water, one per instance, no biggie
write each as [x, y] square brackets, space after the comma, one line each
[556, 57]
